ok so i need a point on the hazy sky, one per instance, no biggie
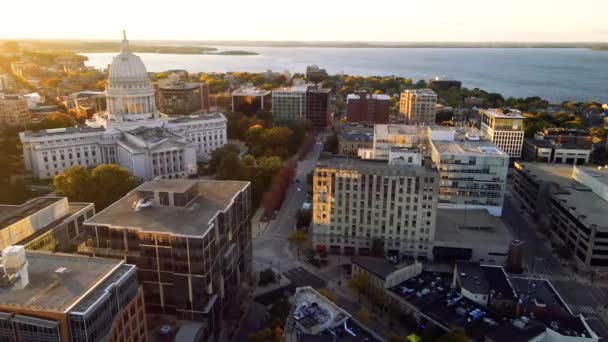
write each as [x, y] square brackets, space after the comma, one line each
[354, 20]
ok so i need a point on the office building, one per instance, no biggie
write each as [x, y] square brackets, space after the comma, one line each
[131, 133]
[7, 84]
[249, 100]
[571, 201]
[364, 107]
[301, 102]
[315, 74]
[313, 317]
[177, 97]
[490, 305]
[418, 106]
[472, 171]
[505, 128]
[317, 106]
[14, 111]
[351, 139]
[191, 242]
[390, 136]
[443, 83]
[64, 297]
[356, 201]
[289, 103]
[45, 223]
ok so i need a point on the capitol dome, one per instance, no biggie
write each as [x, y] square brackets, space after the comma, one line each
[127, 67]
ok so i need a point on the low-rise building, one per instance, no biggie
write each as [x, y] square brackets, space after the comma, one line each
[357, 201]
[470, 234]
[315, 318]
[571, 201]
[315, 74]
[505, 128]
[65, 297]
[351, 138]
[443, 83]
[45, 223]
[14, 111]
[382, 273]
[249, 100]
[550, 151]
[418, 106]
[364, 107]
[191, 241]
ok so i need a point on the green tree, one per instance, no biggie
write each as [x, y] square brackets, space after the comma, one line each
[267, 276]
[56, 120]
[248, 160]
[110, 182]
[363, 316]
[231, 168]
[296, 238]
[279, 311]
[360, 283]
[455, 335]
[218, 154]
[327, 293]
[74, 183]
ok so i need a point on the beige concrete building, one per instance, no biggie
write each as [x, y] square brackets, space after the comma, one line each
[418, 106]
[13, 111]
[356, 201]
[505, 128]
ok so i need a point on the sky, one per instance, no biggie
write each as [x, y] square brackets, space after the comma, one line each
[310, 20]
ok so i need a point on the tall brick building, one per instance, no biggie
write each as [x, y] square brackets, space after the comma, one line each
[364, 107]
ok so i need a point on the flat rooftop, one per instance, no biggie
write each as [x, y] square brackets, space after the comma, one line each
[548, 172]
[250, 92]
[10, 214]
[390, 129]
[504, 113]
[468, 147]
[382, 97]
[550, 143]
[378, 266]
[471, 227]
[192, 220]
[423, 91]
[599, 174]
[372, 166]
[196, 117]
[50, 291]
[62, 131]
[153, 134]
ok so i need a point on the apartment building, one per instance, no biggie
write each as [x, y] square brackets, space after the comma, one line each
[472, 171]
[191, 242]
[13, 111]
[356, 201]
[65, 297]
[571, 201]
[505, 128]
[289, 103]
[418, 106]
[367, 108]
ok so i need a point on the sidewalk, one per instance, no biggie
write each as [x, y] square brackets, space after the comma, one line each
[257, 226]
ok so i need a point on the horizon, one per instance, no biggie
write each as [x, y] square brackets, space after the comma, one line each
[390, 21]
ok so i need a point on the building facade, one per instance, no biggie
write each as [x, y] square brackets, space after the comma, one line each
[472, 170]
[66, 297]
[548, 151]
[357, 201]
[289, 104]
[14, 111]
[505, 128]
[443, 83]
[367, 108]
[177, 97]
[191, 242]
[571, 202]
[250, 100]
[46, 223]
[418, 106]
[317, 106]
[131, 133]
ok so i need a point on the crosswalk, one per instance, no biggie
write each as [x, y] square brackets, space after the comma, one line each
[545, 276]
[584, 309]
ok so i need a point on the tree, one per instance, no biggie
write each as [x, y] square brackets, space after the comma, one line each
[265, 335]
[431, 333]
[51, 82]
[248, 160]
[231, 168]
[360, 283]
[303, 218]
[297, 237]
[103, 185]
[218, 154]
[56, 120]
[74, 183]
[279, 312]
[378, 247]
[110, 182]
[327, 293]
[363, 316]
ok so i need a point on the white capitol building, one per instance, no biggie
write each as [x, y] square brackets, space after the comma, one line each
[131, 133]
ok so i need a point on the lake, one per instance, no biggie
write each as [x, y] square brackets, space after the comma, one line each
[553, 74]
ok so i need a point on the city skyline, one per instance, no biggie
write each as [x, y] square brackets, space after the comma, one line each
[390, 21]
